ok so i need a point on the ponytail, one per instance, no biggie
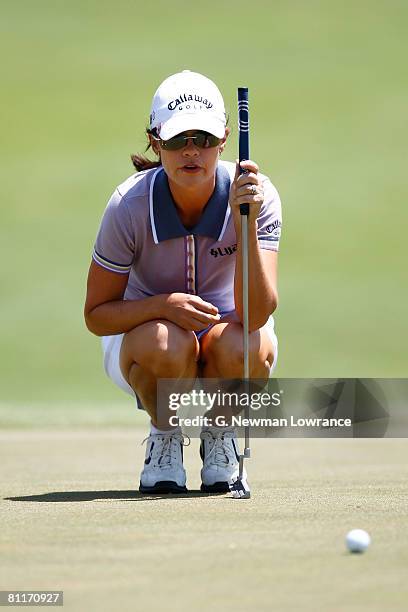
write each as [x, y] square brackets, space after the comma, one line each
[141, 162]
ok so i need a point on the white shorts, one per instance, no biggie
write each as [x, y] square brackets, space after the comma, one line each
[111, 346]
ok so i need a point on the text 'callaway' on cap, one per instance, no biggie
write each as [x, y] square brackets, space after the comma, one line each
[187, 101]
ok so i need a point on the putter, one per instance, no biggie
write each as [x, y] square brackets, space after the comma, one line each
[240, 488]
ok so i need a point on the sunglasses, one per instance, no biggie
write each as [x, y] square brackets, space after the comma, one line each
[203, 140]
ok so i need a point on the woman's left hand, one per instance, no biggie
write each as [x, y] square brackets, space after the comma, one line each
[246, 189]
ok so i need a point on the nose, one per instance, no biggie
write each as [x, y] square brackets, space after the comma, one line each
[190, 149]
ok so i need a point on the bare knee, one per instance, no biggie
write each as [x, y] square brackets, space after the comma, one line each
[172, 352]
[227, 353]
[162, 348]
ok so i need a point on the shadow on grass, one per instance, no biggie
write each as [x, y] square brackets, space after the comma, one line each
[82, 496]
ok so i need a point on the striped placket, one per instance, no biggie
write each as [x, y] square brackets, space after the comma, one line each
[190, 264]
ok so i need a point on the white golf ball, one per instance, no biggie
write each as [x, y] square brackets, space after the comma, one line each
[357, 540]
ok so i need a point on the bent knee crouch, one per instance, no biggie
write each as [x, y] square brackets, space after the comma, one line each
[226, 351]
[158, 346]
[233, 365]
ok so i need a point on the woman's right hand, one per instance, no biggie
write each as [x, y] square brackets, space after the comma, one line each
[188, 311]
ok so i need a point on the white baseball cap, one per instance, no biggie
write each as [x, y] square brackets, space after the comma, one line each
[187, 101]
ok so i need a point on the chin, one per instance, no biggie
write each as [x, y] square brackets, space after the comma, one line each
[197, 177]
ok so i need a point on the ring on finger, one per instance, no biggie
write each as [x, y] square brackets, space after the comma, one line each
[254, 190]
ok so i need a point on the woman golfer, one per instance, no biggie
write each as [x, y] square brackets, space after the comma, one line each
[164, 287]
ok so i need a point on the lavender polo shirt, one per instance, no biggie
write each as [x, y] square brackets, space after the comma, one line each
[141, 235]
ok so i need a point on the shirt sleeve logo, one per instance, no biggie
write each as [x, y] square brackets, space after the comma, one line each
[274, 229]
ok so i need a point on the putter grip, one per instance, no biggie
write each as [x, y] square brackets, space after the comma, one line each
[243, 134]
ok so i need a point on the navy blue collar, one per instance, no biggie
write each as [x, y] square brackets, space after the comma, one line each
[164, 218]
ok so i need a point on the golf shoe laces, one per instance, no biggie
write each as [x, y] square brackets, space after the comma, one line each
[164, 449]
[223, 454]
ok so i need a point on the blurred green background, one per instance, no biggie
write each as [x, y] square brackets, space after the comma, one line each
[328, 94]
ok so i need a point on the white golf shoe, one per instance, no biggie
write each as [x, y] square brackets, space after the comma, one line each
[163, 470]
[220, 454]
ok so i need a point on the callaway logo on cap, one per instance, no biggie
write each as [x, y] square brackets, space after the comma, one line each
[187, 101]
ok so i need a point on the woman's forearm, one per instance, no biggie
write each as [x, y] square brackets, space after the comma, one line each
[120, 316]
[262, 298]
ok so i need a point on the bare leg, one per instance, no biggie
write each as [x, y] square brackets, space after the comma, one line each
[222, 354]
[157, 349]
[222, 357]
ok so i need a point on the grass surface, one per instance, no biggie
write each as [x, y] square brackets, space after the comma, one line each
[328, 96]
[72, 519]
[328, 100]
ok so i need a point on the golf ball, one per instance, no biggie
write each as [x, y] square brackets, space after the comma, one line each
[357, 540]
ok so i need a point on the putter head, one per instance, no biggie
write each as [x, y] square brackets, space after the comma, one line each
[240, 488]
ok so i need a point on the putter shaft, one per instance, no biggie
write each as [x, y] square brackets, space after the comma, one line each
[244, 246]
[243, 128]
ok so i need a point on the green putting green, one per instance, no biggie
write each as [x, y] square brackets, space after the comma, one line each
[72, 520]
